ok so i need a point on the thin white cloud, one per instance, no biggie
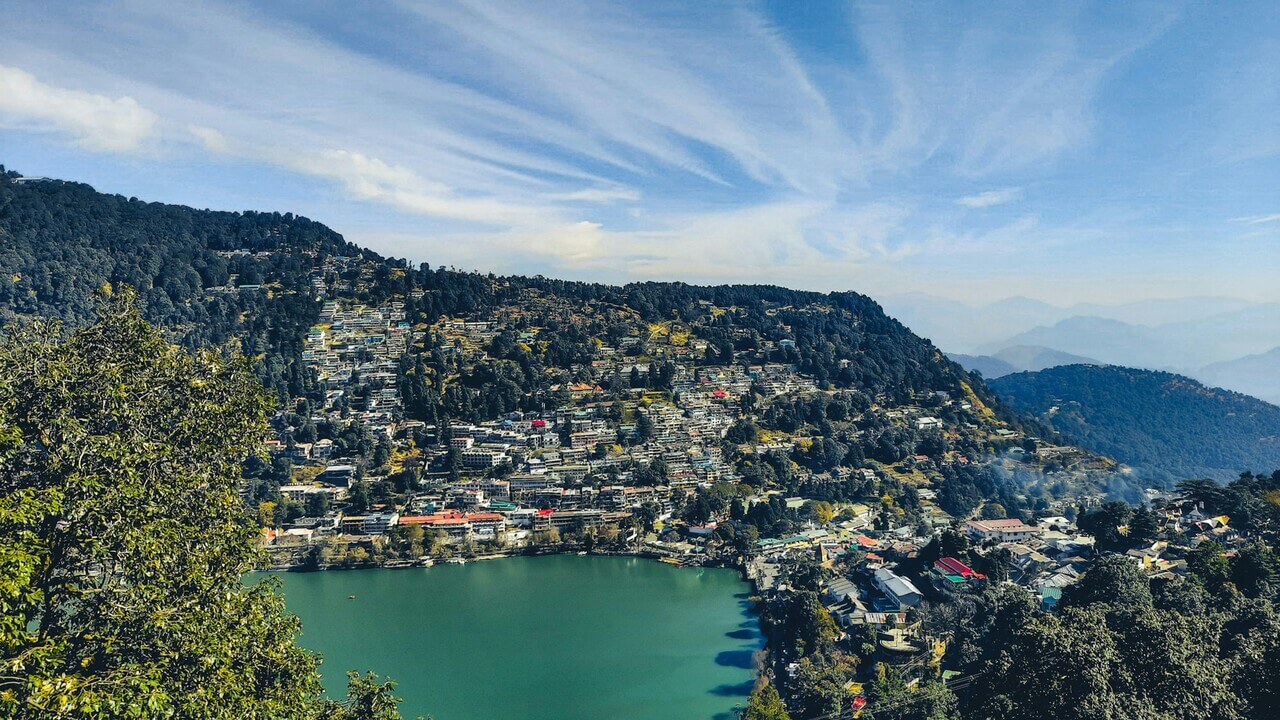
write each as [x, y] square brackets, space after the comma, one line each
[1257, 219]
[990, 198]
[96, 121]
[122, 125]
[369, 178]
[598, 195]
[211, 139]
[796, 242]
[999, 90]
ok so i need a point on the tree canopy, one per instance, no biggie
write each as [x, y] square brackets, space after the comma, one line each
[123, 542]
[1122, 645]
[1168, 426]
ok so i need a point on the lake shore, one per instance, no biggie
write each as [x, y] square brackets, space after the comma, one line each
[549, 629]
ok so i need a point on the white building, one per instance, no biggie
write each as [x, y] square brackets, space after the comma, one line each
[1009, 530]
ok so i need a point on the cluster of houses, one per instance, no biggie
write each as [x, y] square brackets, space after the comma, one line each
[881, 578]
[588, 465]
[359, 345]
[583, 465]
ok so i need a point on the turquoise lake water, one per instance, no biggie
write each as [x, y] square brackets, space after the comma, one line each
[560, 637]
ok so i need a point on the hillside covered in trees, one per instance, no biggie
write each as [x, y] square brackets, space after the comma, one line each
[826, 384]
[1123, 643]
[1165, 425]
[213, 278]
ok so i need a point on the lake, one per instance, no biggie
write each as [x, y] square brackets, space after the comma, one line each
[560, 637]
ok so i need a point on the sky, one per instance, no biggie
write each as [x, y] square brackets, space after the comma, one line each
[1067, 152]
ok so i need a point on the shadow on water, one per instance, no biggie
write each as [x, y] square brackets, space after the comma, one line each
[725, 716]
[741, 596]
[743, 634]
[741, 689]
[735, 658]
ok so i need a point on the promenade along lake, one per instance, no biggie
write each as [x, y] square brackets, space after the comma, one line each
[561, 637]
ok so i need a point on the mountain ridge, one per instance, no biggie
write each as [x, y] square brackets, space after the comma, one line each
[1019, 358]
[203, 287]
[1166, 425]
[1257, 375]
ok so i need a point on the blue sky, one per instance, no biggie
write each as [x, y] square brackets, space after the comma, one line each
[1067, 152]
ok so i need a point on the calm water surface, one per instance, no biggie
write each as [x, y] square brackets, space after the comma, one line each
[538, 638]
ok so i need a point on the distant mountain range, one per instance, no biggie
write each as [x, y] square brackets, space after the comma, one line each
[1224, 342]
[968, 328]
[1185, 346]
[989, 366]
[1166, 426]
[1257, 375]
[1018, 358]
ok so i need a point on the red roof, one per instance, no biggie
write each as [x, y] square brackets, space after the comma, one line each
[450, 517]
[952, 566]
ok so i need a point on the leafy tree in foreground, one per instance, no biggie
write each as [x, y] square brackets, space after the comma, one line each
[123, 541]
[765, 704]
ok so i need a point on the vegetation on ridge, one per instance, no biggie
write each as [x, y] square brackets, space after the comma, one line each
[1167, 426]
[123, 542]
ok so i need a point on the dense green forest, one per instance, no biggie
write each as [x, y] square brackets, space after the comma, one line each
[1165, 425]
[1121, 645]
[62, 244]
[124, 544]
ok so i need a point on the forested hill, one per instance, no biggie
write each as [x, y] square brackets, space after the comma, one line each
[211, 278]
[1167, 425]
[215, 278]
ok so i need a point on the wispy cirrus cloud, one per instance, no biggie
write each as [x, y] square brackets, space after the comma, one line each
[990, 198]
[1257, 219]
[370, 178]
[623, 140]
[659, 94]
[598, 195]
[589, 104]
[998, 89]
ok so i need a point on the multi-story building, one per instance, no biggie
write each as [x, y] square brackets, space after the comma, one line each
[1010, 530]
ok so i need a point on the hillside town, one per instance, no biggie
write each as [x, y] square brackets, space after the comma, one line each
[631, 443]
[909, 542]
[645, 450]
[608, 360]
[874, 584]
